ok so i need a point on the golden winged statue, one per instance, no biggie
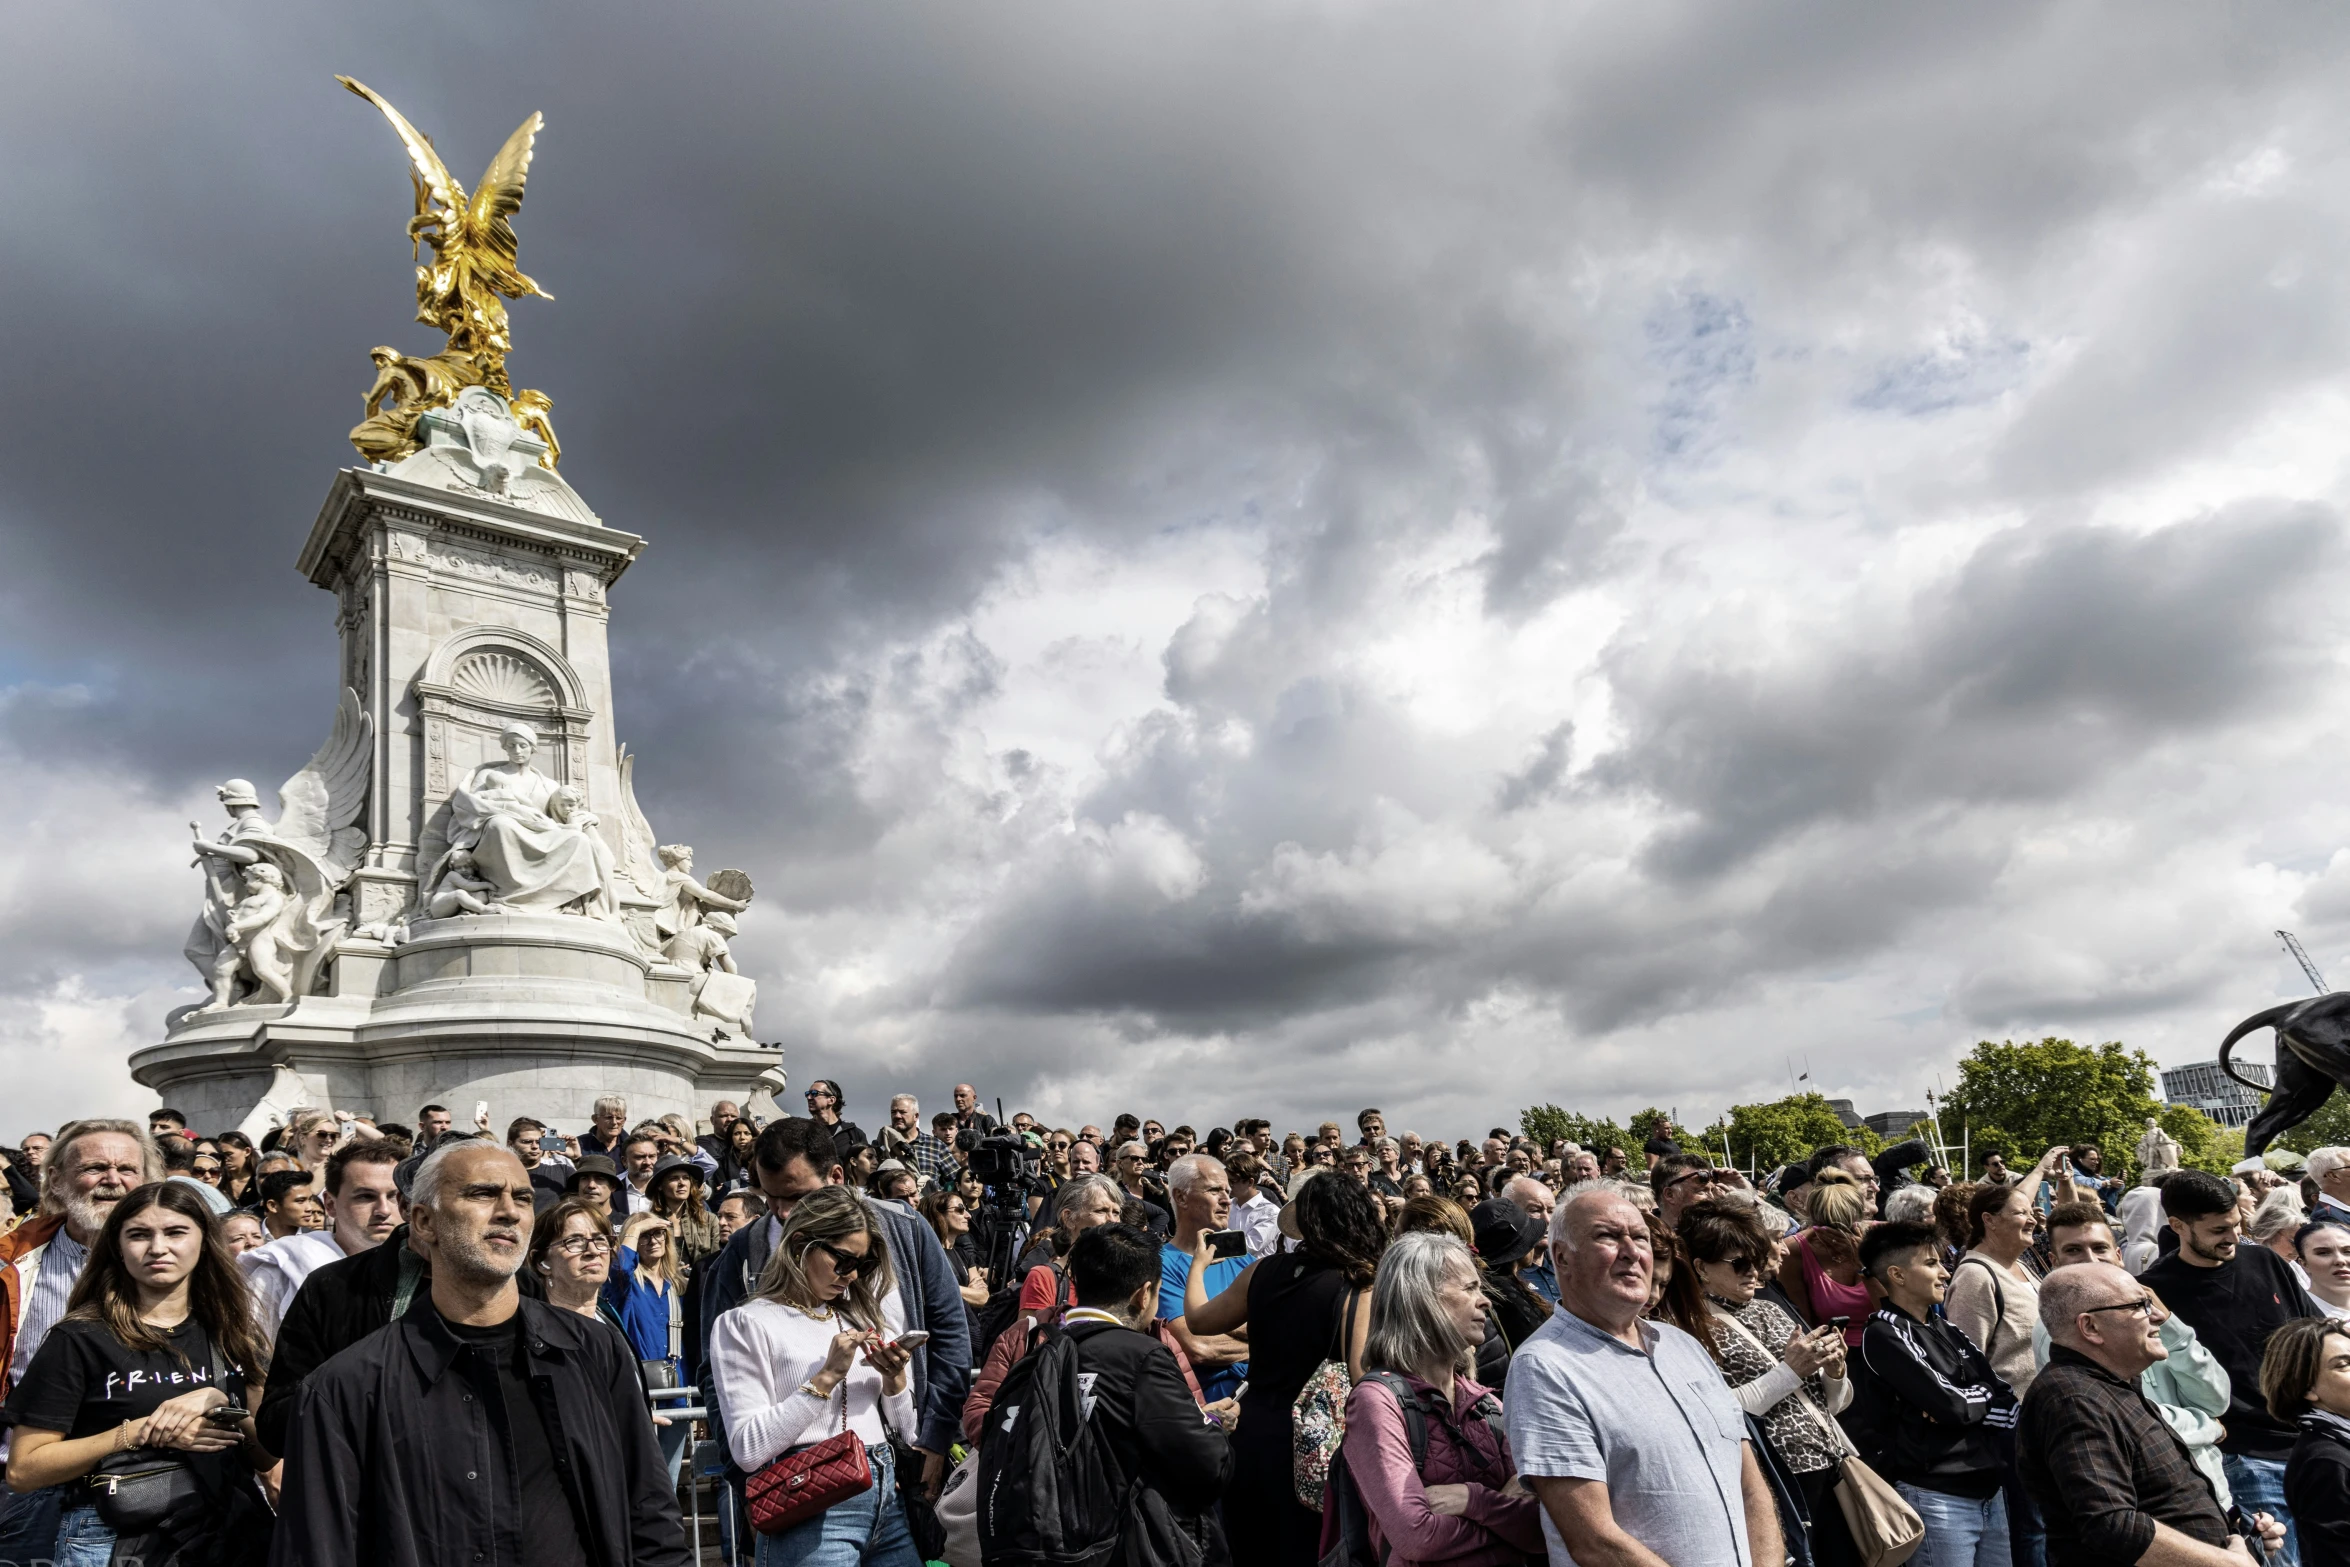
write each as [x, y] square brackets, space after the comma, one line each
[463, 292]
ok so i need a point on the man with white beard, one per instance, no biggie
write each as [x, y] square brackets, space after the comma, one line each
[362, 1209]
[92, 1166]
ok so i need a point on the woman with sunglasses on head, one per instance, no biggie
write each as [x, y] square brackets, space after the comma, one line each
[158, 1334]
[1790, 1378]
[810, 1354]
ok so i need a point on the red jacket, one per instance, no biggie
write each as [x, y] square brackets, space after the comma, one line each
[26, 1238]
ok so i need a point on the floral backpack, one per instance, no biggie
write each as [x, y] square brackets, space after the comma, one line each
[1317, 1420]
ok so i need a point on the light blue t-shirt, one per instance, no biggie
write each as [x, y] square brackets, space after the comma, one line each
[1174, 1273]
[1661, 1429]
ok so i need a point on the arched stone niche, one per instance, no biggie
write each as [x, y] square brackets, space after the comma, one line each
[483, 678]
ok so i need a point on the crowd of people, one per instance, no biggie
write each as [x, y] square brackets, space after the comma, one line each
[353, 1341]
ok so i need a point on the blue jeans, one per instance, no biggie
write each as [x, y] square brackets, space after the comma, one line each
[28, 1526]
[2259, 1484]
[867, 1530]
[82, 1541]
[1960, 1531]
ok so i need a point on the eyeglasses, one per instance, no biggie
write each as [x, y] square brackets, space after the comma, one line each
[202, 1169]
[1058, 1147]
[1741, 1266]
[847, 1264]
[583, 1246]
[1710, 1177]
[2143, 1306]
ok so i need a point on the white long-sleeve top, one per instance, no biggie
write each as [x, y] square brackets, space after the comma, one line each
[761, 1353]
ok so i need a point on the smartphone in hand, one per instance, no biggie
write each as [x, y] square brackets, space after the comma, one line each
[1227, 1243]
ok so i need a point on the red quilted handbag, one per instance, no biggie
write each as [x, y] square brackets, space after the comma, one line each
[807, 1480]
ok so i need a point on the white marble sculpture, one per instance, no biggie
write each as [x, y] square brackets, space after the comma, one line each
[538, 855]
[269, 888]
[685, 900]
[722, 996]
[2157, 1150]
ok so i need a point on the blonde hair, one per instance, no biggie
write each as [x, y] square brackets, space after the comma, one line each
[1837, 1202]
[827, 1217]
[637, 1224]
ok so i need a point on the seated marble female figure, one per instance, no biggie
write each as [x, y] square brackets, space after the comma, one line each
[536, 861]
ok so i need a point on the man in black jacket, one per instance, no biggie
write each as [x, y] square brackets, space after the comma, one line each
[482, 1426]
[1156, 1433]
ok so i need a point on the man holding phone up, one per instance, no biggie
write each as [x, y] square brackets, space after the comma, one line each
[1202, 1195]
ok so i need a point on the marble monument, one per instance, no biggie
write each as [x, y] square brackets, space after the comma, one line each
[459, 898]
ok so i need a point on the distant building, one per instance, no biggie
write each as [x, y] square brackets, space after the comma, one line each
[1894, 1125]
[1845, 1113]
[2203, 1086]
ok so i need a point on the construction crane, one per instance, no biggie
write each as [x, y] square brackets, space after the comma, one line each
[2302, 958]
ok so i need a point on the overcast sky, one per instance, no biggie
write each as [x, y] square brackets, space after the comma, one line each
[1222, 559]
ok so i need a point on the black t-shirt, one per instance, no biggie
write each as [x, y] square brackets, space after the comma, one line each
[549, 1531]
[84, 1381]
[2233, 1309]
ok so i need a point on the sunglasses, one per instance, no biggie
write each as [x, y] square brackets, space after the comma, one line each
[847, 1264]
[1710, 1177]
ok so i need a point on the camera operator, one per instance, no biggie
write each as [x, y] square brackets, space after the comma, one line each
[1009, 1173]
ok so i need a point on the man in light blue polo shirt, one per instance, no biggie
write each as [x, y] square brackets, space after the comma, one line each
[1623, 1428]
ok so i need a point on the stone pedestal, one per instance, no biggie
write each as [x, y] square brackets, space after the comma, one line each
[471, 589]
[538, 1014]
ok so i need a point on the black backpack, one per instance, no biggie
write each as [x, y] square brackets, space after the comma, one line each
[1352, 1547]
[1050, 1494]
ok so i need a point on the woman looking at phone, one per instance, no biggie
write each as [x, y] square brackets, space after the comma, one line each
[151, 1359]
[1789, 1377]
[814, 1351]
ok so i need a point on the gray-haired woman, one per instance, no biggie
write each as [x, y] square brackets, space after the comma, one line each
[1464, 1502]
[812, 1349]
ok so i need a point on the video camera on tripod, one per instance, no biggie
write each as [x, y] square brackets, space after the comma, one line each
[1008, 1169]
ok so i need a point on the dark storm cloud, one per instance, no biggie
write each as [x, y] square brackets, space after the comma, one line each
[2055, 655]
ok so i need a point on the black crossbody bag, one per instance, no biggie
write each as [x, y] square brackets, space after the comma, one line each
[150, 1488]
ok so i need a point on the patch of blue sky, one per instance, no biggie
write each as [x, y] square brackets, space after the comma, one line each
[1703, 345]
[1956, 373]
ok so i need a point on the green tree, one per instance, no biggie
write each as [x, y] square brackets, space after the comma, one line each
[2329, 1128]
[1547, 1123]
[1780, 1131]
[2019, 1100]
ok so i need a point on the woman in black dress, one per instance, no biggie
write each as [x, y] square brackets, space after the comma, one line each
[1295, 1307]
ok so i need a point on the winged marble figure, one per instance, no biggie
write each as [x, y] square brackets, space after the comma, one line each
[269, 917]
